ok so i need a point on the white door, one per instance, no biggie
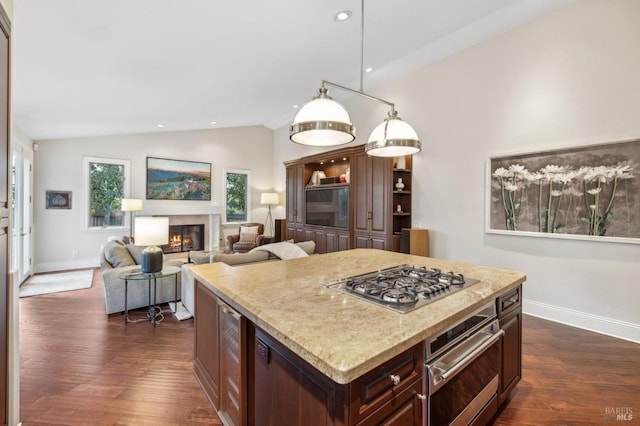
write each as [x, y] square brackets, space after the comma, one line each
[22, 213]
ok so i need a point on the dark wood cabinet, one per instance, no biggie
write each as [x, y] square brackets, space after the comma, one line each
[403, 409]
[284, 389]
[252, 378]
[312, 398]
[389, 393]
[510, 318]
[372, 186]
[295, 200]
[372, 219]
[206, 359]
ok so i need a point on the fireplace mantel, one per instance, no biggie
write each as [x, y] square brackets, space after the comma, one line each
[180, 214]
[179, 210]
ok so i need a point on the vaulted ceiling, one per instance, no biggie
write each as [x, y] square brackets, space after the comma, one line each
[88, 68]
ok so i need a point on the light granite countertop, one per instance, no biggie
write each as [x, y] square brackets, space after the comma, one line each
[339, 334]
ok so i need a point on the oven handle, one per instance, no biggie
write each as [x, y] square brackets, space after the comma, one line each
[472, 356]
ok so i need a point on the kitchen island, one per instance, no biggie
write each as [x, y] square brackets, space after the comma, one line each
[275, 326]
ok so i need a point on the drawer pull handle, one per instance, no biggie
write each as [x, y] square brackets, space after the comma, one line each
[421, 396]
[514, 299]
[394, 378]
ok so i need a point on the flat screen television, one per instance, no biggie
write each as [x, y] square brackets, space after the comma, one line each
[328, 207]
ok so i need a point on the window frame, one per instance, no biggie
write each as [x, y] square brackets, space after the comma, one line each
[86, 182]
[246, 172]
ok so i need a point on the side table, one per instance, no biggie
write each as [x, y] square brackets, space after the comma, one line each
[138, 275]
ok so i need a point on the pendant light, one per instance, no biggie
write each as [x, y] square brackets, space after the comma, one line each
[325, 122]
[393, 138]
[322, 122]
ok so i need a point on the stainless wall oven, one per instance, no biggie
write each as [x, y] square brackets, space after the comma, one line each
[462, 370]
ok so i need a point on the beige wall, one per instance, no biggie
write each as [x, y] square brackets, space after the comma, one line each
[58, 166]
[571, 77]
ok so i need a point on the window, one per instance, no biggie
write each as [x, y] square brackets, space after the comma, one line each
[106, 184]
[237, 199]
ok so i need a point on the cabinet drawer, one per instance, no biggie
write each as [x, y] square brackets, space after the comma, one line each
[380, 385]
[404, 408]
[510, 301]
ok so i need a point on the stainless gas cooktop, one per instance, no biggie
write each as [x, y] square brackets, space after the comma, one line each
[403, 288]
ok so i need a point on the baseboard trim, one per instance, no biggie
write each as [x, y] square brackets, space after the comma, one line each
[603, 325]
[66, 265]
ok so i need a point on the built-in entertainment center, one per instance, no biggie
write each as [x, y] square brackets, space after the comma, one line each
[345, 199]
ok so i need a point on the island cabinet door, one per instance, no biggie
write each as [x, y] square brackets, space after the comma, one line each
[285, 390]
[510, 318]
[206, 360]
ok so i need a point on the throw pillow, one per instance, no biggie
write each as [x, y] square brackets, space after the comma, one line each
[246, 237]
[117, 254]
[200, 257]
[241, 258]
[135, 252]
[248, 234]
[309, 247]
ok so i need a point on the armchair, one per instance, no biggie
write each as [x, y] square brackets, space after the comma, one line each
[250, 235]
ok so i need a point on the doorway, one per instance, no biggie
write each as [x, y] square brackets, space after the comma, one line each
[21, 197]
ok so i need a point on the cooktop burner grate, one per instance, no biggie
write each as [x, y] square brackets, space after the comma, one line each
[403, 288]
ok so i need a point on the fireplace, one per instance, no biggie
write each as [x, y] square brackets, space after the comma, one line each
[183, 238]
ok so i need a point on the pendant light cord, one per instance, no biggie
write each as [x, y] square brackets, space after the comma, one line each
[362, 45]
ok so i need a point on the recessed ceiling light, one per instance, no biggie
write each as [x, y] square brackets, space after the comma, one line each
[369, 69]
[213, 122]
[342, 16]
[160, 125]
[295, 107]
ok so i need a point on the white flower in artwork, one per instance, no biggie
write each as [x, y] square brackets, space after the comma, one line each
[594, 191]
[510, 187]
[501, 172]
[556, 193]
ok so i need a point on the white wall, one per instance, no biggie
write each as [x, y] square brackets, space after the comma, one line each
[571, 77]
[58, 166]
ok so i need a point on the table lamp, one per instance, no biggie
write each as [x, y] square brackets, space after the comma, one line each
[152, 232]
[268, 198]
[131, 205]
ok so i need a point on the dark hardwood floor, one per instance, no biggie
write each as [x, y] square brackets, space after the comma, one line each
[573, 377]
[81, 367]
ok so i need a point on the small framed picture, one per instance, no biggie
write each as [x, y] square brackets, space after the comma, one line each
[58, 200]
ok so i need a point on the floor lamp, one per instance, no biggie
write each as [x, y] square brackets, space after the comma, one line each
[131, 205]
[269, 198]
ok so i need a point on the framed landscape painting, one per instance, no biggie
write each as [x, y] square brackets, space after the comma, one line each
[590, 192]
[178, 180]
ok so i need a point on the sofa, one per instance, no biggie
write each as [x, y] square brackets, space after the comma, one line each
[118, 256]
[264, 253]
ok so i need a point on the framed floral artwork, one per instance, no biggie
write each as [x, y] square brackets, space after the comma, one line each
[587, 192]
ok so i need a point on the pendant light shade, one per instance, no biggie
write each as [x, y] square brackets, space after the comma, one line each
[322, 122]
[393, 138]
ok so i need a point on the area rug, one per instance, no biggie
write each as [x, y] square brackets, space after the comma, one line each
[182, 313]
[55, 283]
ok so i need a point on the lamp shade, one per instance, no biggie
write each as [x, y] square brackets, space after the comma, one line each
[152, 231]
[322, 122]
[131, 205]
[269, 198]
[393, 138]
